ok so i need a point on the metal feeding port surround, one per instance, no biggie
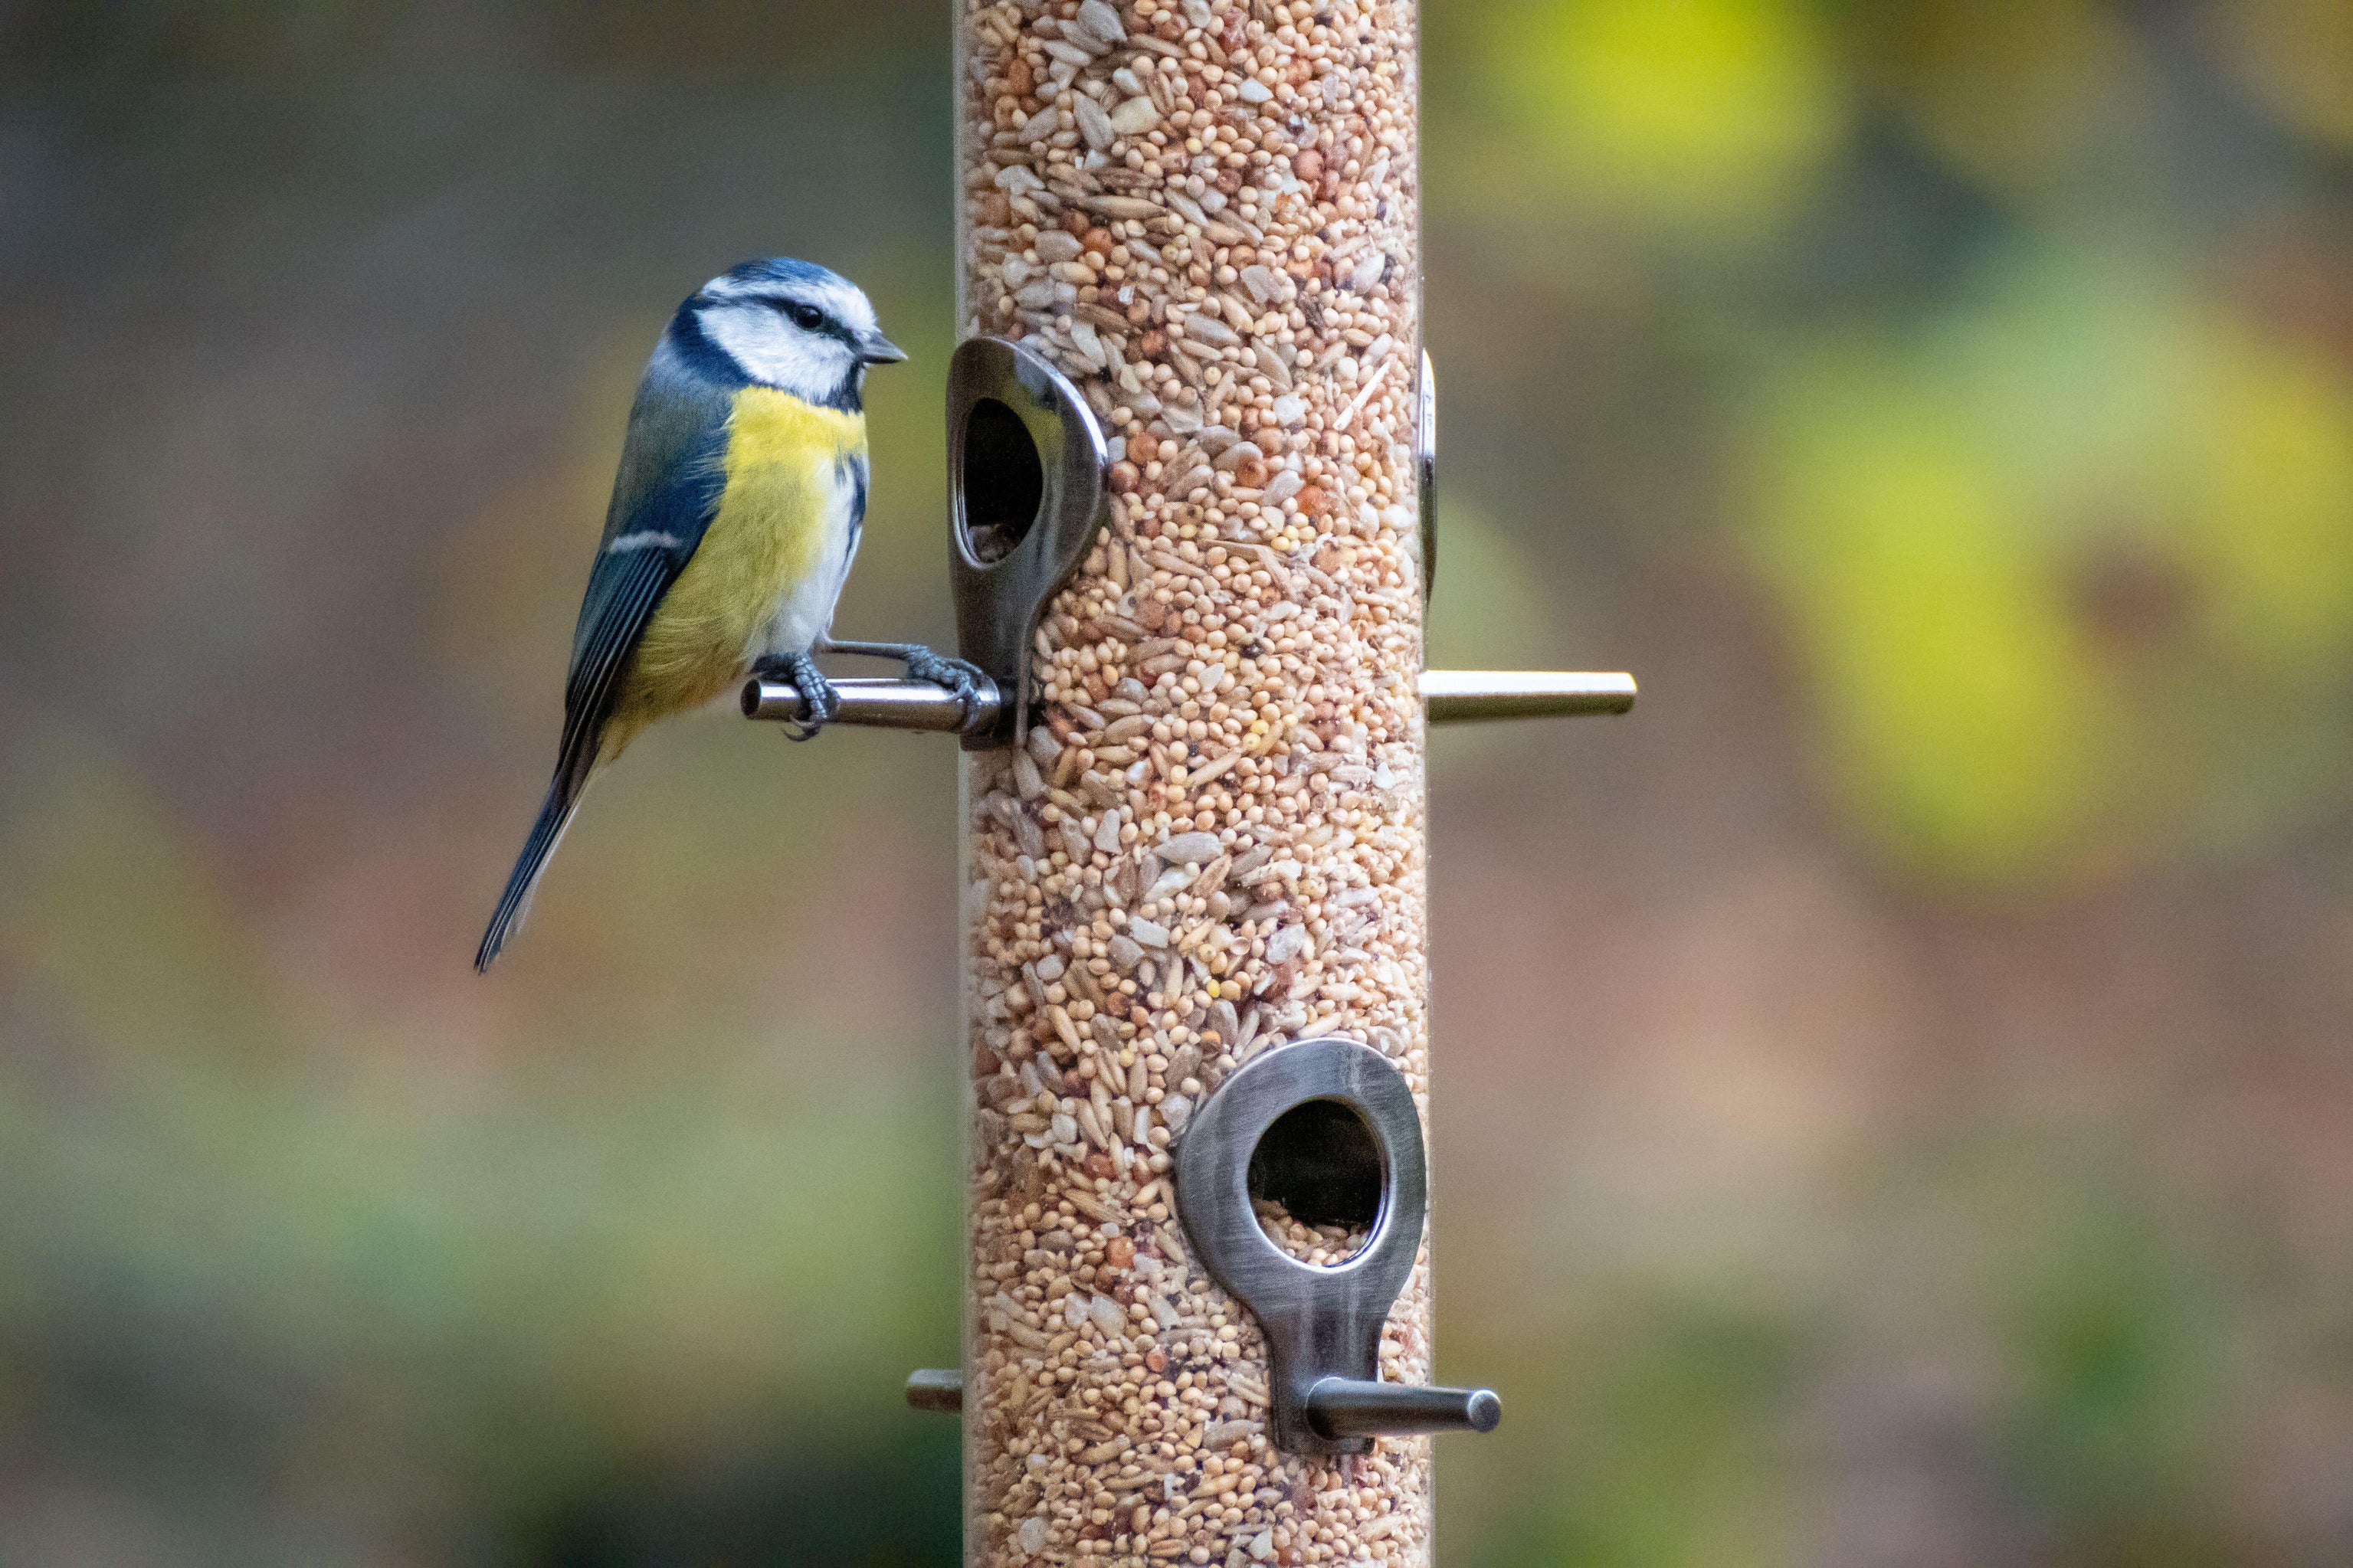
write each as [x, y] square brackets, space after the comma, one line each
[1027, 492]
[1329, 1128]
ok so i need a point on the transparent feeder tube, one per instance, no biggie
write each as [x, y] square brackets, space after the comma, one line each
[1204, 213]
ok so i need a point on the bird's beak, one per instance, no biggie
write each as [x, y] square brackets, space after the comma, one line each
[876, 349]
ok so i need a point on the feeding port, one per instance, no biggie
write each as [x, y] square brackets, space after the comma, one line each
[1004, 483]
[1318, 1182]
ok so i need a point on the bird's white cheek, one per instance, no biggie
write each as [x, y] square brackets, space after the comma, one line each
[772, 351]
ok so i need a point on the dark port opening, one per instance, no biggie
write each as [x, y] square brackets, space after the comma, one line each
[1321, 1162]
[1004, 482]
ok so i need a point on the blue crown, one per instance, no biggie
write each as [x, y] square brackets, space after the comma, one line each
[783, 271]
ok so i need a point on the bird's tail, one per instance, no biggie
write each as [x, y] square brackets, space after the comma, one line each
[564, 793]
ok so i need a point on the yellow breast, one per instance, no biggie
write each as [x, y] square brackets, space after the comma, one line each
[770, 532]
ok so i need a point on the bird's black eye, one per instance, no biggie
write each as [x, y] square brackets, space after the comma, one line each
[807, 318]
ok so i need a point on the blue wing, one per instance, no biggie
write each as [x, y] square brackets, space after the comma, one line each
[673, 467]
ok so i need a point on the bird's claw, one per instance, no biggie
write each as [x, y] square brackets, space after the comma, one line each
[819, 702]
[960, 678]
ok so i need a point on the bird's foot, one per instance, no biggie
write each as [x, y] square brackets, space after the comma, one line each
[964, 682]
[959, 679]
[819, 702]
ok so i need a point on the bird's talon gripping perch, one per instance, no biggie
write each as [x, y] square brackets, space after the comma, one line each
[954, 676]
[965, 681]
[819, 702]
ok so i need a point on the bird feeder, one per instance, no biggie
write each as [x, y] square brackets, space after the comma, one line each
[1192, 447]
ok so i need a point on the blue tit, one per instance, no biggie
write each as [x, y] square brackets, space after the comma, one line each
[735, 518]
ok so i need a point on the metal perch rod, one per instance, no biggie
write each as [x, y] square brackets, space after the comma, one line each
[937, 1388]
[1354, 1407]
[883, 702]
[1339, 1406]
[1449, 696]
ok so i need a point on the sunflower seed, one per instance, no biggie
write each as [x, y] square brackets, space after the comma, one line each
[1204, 328]
[1134, 117]
[1093, 123]
[1101, 23]
[1124, 208]
[1271, 365]
[1041, 127]
[1189, 848]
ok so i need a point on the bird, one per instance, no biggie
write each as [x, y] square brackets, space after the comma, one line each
[736, 516]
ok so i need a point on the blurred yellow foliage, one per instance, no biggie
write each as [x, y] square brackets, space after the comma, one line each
[2264, 463]
[1704, 113]
[2048, 567]
[1959, 704]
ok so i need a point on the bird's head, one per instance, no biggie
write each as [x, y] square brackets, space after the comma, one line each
[794, 326]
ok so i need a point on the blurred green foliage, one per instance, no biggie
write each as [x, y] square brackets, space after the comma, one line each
[1893, 1089]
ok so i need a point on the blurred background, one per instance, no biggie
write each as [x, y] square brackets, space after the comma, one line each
[1896, 1090]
